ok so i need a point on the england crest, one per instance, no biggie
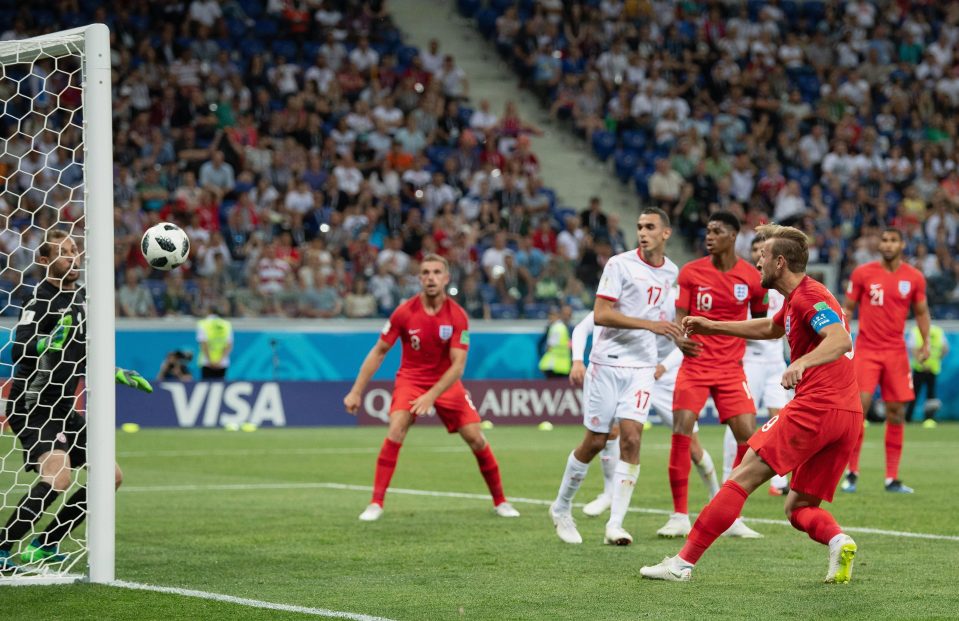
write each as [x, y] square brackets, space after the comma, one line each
[446, 332]
[741, 292]
[904, 287]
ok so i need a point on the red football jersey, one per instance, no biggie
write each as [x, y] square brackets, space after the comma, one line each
[884, 300]
[427, 339]
[808, 309]
[704, 291]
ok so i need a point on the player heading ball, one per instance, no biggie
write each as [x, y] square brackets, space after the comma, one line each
[813, 434]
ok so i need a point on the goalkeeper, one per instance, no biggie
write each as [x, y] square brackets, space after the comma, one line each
[49, 354]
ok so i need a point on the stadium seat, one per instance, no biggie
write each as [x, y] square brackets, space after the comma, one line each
[634, 141]
[437, 154]
[405, 55]
[625, 162]
[468, 8]
[814, 11]
[752, 9]
[604, 143]
[499, 310]
[486, 22]
[266, 28]
[286, 49]
[640, 179]
[791, 10]
[236, 27]
[538, 310]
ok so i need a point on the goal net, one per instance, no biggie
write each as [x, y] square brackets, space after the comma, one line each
[56, 309]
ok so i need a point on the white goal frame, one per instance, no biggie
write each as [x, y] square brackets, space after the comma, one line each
[94, 43]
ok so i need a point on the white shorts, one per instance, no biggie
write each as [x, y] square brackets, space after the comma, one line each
[663, 398]
[616, 393]
[764, 383]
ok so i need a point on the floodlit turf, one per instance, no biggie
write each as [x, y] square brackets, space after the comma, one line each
[237, 514]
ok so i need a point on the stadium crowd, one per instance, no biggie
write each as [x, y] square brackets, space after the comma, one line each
[837, 117]
[311, 157]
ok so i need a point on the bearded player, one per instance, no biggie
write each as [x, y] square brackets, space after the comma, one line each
[49, 352]
[721, 287]
[885, 291]
[435, 334]
[764, 364]
[813, 434]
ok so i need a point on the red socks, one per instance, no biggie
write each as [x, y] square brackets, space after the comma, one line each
[894, 435]
[385, 465]
[740, 453]
[679, 465]
[490, 471]
[715, 520]
[854, 456]
[816, 522]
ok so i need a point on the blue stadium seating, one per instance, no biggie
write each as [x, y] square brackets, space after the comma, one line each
[604, 143]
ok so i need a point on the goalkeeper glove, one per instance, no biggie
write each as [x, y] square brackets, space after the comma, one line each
[133, 380]
[58, 339]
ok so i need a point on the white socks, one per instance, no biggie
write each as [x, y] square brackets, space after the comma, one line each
[729, 453]
[572, 478]
[608, 458]
[625, 481]
[707, 472]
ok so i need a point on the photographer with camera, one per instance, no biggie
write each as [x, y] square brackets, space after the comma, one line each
[175, 367]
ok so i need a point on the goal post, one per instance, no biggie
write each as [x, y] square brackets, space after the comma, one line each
[56, 156]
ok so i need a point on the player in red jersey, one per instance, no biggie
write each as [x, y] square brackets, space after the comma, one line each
[885, 291]
[720, 287]
[435, 334]
[813, 434]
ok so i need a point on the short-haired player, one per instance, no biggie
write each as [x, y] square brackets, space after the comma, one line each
[813, 434]
[434, 331]
[619, 383]
[885, 291]
[764, 364]
[720, 287]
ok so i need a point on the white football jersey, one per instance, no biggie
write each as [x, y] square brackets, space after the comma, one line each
[768, 351]
[638, 290]
[664, 344]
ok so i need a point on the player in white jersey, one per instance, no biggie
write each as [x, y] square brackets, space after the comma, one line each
[633, 290]
[764, 363]
[662, 403]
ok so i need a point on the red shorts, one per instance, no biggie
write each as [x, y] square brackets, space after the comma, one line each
[454, 407]
[727, 386]
[812, 443]
[890, 371]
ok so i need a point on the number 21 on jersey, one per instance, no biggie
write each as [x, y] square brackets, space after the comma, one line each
[876, 295]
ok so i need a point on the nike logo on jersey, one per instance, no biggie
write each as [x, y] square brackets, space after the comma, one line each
[704, 288]
[414, 331]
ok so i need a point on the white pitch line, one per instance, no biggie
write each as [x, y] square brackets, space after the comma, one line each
[243, 601]
[470, 496]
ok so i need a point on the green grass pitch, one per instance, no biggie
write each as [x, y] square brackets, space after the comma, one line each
[246, 515]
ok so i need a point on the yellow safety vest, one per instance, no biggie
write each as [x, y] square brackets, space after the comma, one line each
[558, 358]
[937, 339]
[218, 333]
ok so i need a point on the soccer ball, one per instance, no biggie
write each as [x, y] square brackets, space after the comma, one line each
[165, 246]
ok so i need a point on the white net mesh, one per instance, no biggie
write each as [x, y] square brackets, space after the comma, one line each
[43, 357]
